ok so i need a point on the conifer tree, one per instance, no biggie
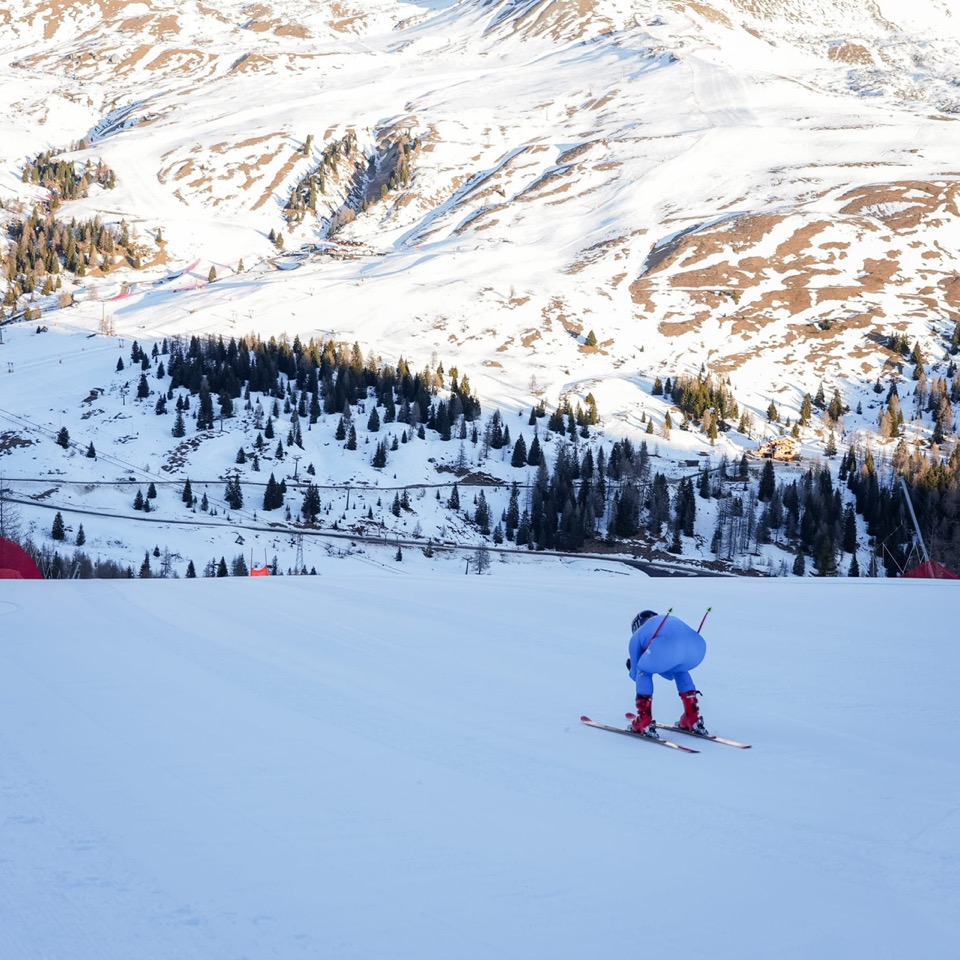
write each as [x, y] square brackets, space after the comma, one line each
[768, 482]
[233, 493]
[512, 517]
[273, 496]
[59, 530]
[535, 453]
[519, 458]
[311, 503]
[482, 514]
[825, 558]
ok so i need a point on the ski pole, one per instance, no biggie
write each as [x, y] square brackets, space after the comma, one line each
[655, 632]
[662, 622]
[704, 620]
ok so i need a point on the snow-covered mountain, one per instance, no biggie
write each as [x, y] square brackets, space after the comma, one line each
[560, 198]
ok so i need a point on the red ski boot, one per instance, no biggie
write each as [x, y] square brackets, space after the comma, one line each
[643, 721]
[691, 719]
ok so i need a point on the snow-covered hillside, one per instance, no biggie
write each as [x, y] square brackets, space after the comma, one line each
[364, 765]
[561, 199]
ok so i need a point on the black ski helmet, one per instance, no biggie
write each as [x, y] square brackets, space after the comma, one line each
[641, 618]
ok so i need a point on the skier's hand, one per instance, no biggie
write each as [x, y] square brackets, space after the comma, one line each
[628, 664]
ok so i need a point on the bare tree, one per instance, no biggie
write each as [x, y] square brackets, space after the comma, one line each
[481, 559]
[11, 527]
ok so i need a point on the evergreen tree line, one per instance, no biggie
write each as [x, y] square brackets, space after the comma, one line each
[41, 247]
[78, 565]
[306, 191]
[583, 497]
[934, 488]
[696, 395]
[333, 376]
[64, 179]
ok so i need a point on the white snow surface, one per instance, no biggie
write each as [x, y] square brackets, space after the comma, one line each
[372, 764]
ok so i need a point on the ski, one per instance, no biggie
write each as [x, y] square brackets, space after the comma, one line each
[638, 736]
[703, 736]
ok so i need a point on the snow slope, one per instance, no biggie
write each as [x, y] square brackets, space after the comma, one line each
[385, 763]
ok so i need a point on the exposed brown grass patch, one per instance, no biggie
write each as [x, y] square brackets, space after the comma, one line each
[574, 153]
[297, 30]
[556, 311]
[157, 26]
[179, 60]
[281, 175]
[841, 294]
[950, 291]
[849, 52]
[793, 301]
[710, 13]
[796, 250]
[677, 328]
[223, 147]
[879, 273]
[250, 63]
[133, 58]
[903, 205]
[709, 278]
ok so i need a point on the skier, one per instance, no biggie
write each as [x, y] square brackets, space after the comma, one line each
[667, 646]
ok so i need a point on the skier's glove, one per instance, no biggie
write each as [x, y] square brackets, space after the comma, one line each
[628, 663]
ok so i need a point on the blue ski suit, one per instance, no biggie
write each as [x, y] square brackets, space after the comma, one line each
[672, 653]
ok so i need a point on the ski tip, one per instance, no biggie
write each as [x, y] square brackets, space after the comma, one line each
[586, 719]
